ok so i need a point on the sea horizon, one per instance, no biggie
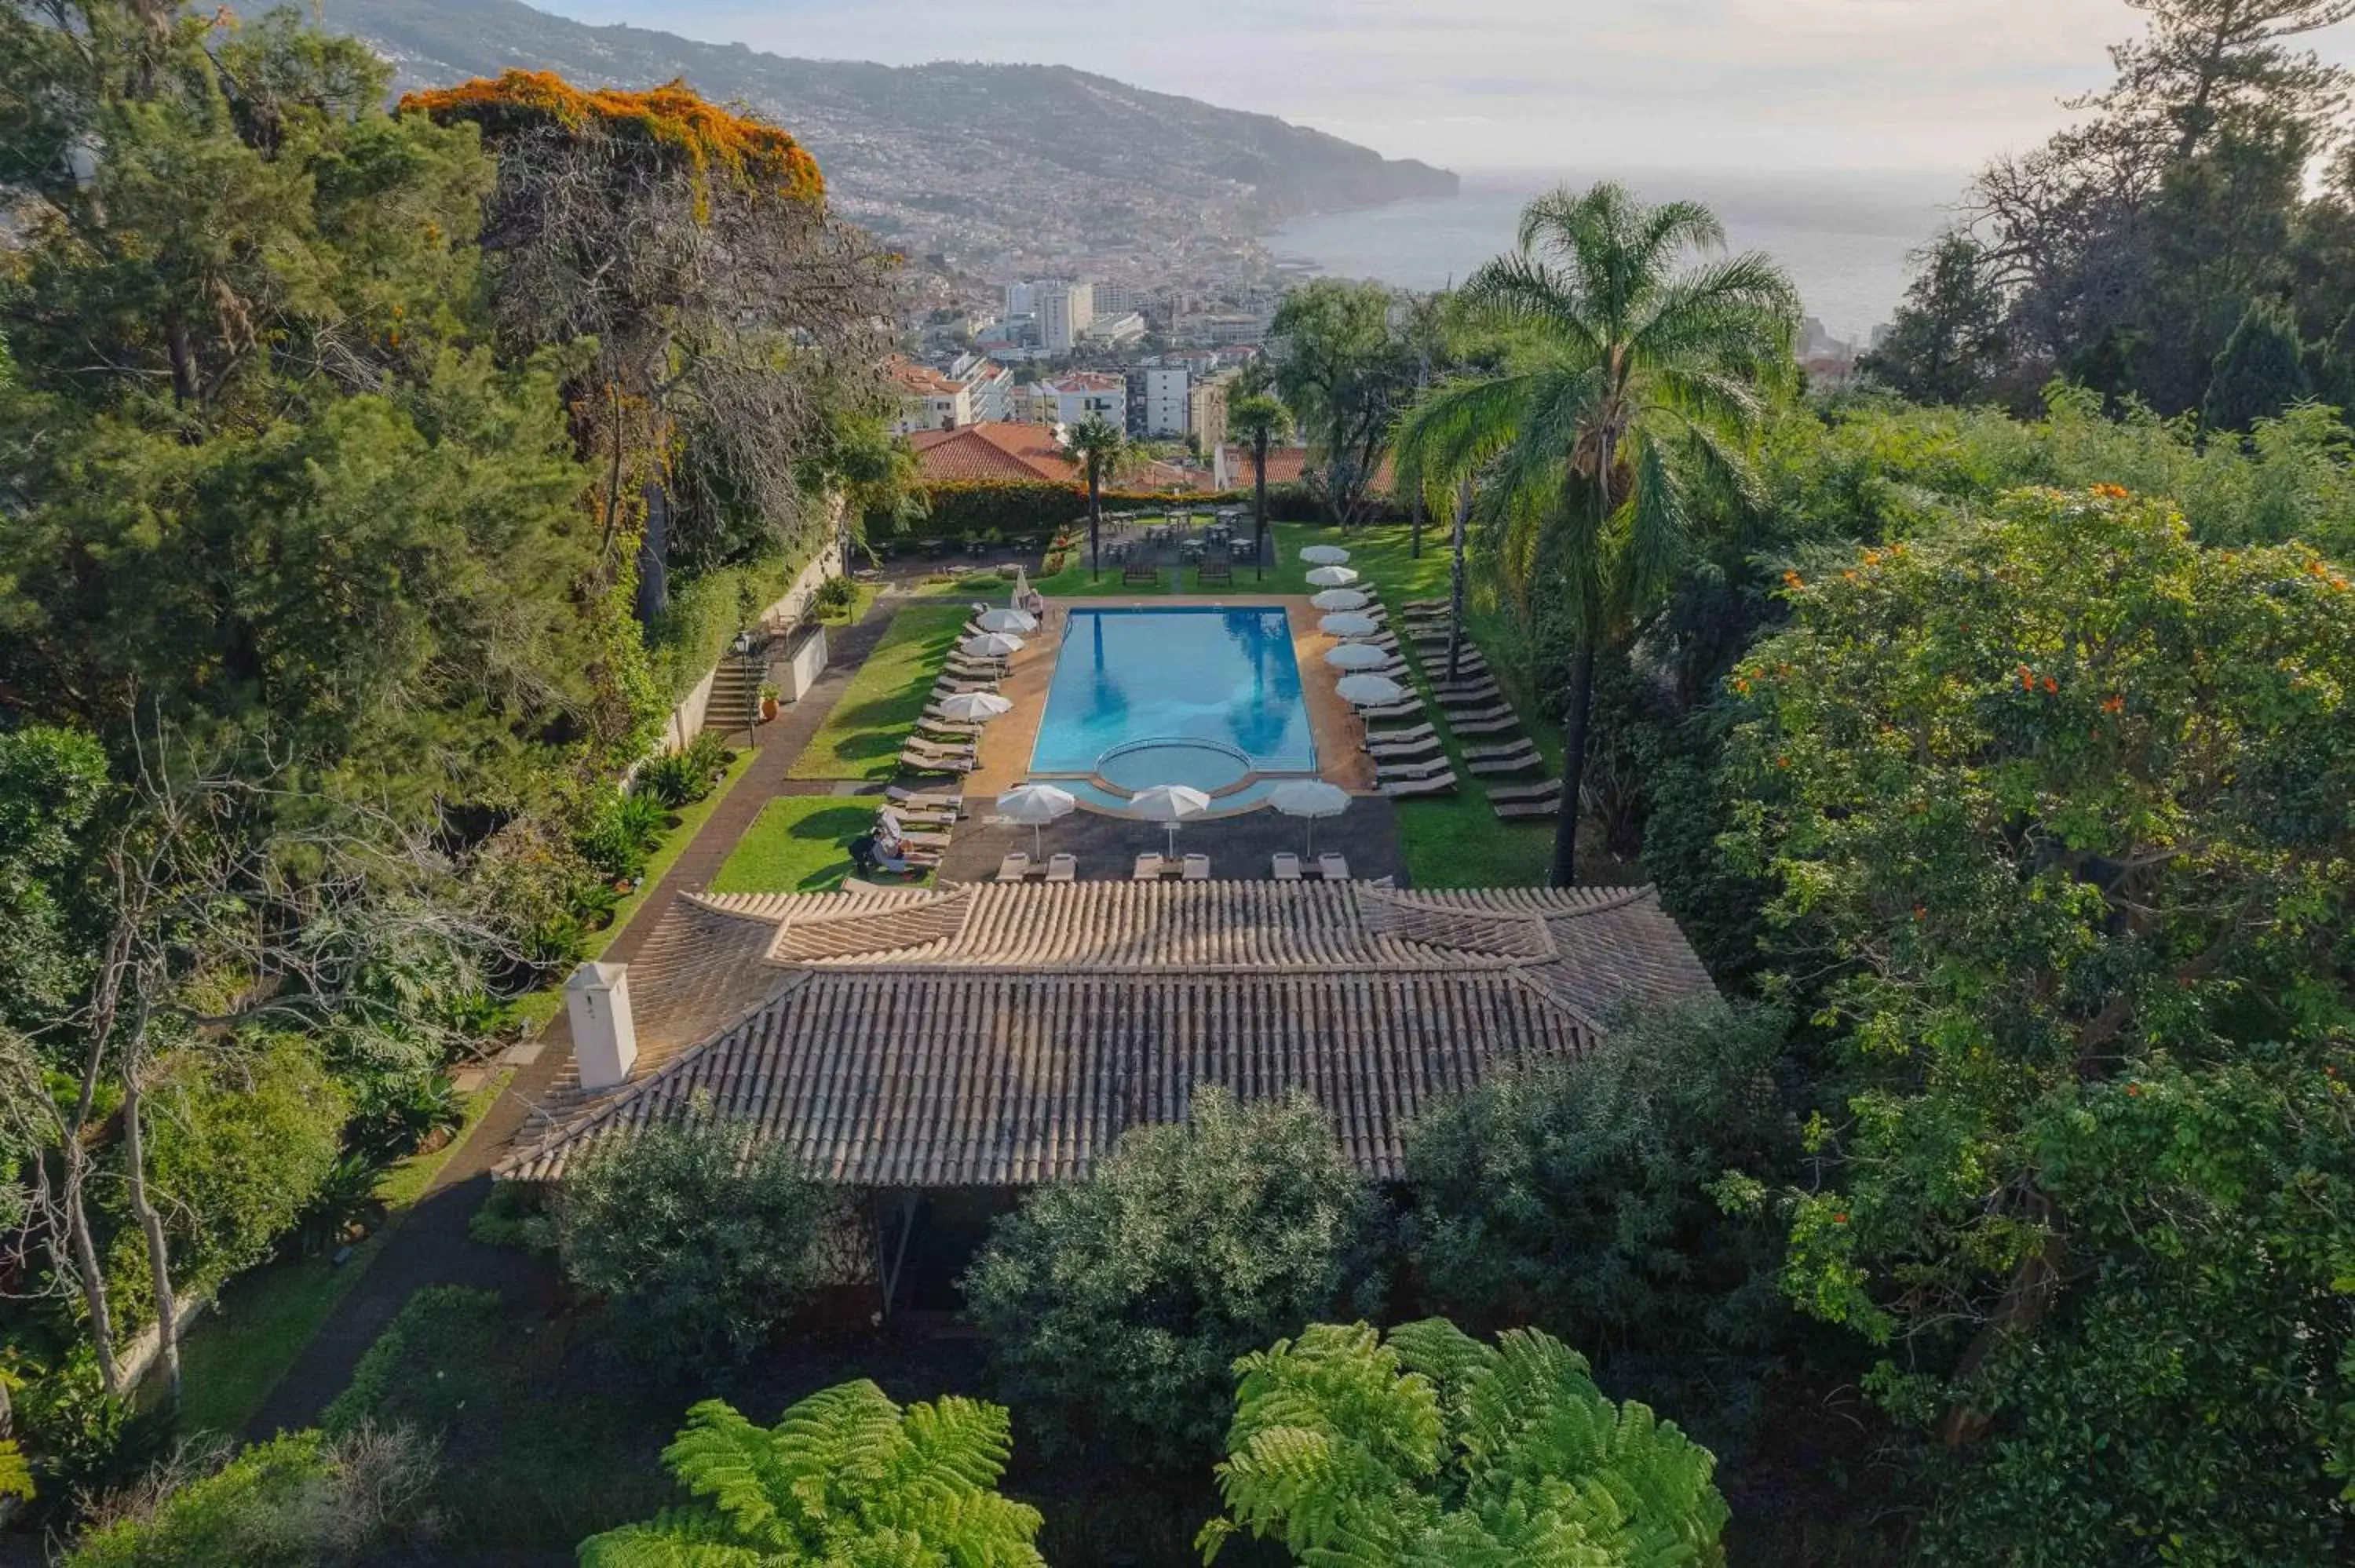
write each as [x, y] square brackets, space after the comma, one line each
[1846, 237]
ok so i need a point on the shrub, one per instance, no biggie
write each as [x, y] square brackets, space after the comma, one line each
[303, 1501]
[701, 1249]
[705, 613]
[441, 1325]
[834, 597]
[1116, 1305]
[515, 1214]
[623, 833]
[673, 779]
[1590, 1197]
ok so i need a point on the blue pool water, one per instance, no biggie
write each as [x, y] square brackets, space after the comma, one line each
[1204, 698]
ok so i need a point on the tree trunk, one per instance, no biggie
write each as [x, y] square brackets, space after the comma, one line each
[1414, 537]
[151, 1225]
[184, 359]
[1573, 765]
[1258, 529]
[92, 1276]
[1455, 580]
[653, 556]
[1096, 527]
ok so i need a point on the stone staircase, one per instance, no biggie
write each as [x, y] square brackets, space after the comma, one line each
[735, 695]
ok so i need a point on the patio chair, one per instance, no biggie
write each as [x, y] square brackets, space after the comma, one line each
[1217, 569]
[1333, 867]
[1148, 869]
[1062, 868]
[1015, 866]
[1287, 867]
[1139, 572]
[1198, 868]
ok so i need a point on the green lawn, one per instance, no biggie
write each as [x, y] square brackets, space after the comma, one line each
[799, 844]
[235, 1354]
[861, 737]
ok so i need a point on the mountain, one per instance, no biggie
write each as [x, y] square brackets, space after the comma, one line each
[984, 167]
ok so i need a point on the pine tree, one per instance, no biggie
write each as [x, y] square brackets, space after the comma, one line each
[1948, 341]
[2261, 372]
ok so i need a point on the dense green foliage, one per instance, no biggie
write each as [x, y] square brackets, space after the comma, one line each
[699, 1248]
[1428, 1448]
[1612, 1198]
[1114, 1306]
[1343, 369]
[845, 1476]
[301, 1500]
[2259, 373]
[2054, 804]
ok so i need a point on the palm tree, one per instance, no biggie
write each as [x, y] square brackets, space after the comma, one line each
[845, 1475]
[1627, 381]
[1260, 419]
[1097, 448]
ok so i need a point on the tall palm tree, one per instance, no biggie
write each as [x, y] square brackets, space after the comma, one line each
[1098, 449]
[1630, 378]
[1260, 419]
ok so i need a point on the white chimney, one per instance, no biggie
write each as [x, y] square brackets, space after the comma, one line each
[604, 1037]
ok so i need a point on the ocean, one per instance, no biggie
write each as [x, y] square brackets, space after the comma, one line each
[1845, 238]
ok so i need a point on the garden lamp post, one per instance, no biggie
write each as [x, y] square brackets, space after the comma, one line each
[743, 650]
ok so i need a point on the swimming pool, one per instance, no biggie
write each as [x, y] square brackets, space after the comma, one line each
[1206, 697]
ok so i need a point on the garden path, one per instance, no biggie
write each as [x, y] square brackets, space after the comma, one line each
[429, 1244]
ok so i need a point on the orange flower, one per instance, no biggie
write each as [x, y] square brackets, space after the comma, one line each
[1847, 577]
[2111, 492]
[2134, 1088]
[1793, 580]
[2027, 679]
[2050, 684]
[2114, 704]
[1873, 557]
[1839, 1219]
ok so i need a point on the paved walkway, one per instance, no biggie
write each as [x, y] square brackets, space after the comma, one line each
[428, 1245]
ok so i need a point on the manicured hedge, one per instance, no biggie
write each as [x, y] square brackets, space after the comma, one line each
[971, 509]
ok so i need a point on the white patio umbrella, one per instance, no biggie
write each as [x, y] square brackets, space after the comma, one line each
[1340, 599]
[1346, 624]
[1033, 806]
[1324, 556]
[1309, 798]
[1355, 656]
[1008, 620]
[1332, 577]
[974, 707]
[1169, 804]
[1369, 691]
[1021, 587]
[991, 645]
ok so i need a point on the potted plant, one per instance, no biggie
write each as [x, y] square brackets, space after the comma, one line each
[769, 695]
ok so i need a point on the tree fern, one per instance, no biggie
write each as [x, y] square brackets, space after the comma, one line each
[845, 1480]
[1433, 1449]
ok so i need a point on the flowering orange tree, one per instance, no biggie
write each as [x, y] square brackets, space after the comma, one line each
[2057, 808]
[730, 323]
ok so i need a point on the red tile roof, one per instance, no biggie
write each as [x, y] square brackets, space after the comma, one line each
[1285, 466]
[990, 450]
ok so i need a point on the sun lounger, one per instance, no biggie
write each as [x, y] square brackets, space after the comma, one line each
[1549, 788]
[1333, 867]
[1487, 749]
[1406, 751]
[1400, 736]
[1287, 868]
[922, 798]
[1511, 762]
[1387, 771]
[1485, 726]
[1411, 707]
[1198, 868]
[1465, 691]
[920, 760]
[1474, 712]
[1509, 810]
[1148, 869]
[917, 743]
[1404, 789]
[1424, 604]
[1062, 868]
[1014, 867]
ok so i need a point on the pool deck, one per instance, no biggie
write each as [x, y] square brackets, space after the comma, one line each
[1007, 743]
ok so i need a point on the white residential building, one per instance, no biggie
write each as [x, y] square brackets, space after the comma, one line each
[1118, 299]
[1166, 412]
[989, 387]
[929, 400]
[1064, 312]
[1073, 399]
[1115, 331]
[1021, 298]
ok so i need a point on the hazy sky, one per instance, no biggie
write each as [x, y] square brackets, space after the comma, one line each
[1518, 84]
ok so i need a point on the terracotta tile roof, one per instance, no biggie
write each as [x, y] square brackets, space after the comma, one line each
[1086, 381]
[922, 379]
[989, 1035]
[990, 450]
[1286, 464]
